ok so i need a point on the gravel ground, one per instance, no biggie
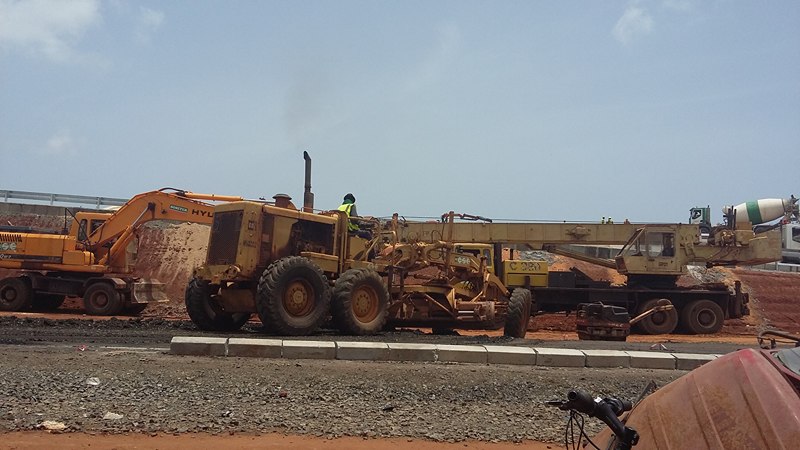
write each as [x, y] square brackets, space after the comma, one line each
[113, 391]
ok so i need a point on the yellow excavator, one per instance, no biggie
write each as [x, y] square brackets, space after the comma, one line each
[91, 258]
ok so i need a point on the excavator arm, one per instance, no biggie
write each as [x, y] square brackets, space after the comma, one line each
[164, 204]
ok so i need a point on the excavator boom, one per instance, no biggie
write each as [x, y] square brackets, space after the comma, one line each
[163, 204]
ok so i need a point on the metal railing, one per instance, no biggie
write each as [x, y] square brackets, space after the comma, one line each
[61, 198]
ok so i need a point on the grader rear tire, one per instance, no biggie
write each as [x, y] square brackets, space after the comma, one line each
[293, 297]
[519, 313]
[205, 312]
[360, 302]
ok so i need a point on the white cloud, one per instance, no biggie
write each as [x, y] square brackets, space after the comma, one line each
[634, 22]
[61, 143]
[149, 21]
[46, 27]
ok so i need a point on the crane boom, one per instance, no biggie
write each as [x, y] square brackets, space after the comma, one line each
[669, 247]
[535, 235]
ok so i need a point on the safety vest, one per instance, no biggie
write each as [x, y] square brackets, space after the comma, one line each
[346, 208]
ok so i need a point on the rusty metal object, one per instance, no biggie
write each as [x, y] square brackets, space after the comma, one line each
[661, 306]
[596, 321]
[746, 399]
[772, 342]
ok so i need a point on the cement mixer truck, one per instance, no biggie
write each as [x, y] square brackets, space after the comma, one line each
[760, 214]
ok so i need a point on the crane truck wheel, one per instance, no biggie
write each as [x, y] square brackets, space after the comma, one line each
[702, 317]
[16, 294]
[519, 313]
[101, 299]
[206, 313]
[47, 302]
[293, 297]
[360, 302]
[662, 322]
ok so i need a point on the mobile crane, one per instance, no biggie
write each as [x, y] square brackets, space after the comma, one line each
[652, 257]
[90, 259]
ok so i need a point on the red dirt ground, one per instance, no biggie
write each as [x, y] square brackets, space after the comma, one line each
[39, 440]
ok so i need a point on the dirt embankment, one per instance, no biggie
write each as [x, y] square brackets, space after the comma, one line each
[169, 253]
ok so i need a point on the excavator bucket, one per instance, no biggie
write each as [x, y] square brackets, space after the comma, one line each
[148, 290]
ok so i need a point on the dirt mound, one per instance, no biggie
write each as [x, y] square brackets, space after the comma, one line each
[169, 253]
[774, 298]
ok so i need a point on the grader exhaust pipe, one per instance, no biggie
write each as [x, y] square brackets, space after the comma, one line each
[308, 196]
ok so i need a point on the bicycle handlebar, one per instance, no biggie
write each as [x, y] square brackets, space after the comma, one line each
[608, 410]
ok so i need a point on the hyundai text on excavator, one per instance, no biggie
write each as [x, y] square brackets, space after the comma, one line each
[91, 259]
[294, 267]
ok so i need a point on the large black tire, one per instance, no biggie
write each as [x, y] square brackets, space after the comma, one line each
[15, 294]
[101, 299]
[360, 302]
[206, 312]
[47, 302]
[293, 297]
[702, 317]
[519, 313]
[663, 322]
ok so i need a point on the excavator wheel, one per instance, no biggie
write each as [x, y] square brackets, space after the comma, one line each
[293, 297]
[101, 299]
[662, 322]
[519, 313]
[15, 294]
[47, 302]
[702, 317]
[360, 302]
[206, 313]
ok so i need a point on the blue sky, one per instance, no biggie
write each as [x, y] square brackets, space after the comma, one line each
[529, 110]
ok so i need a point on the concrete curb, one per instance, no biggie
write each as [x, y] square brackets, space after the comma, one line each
[476, 354]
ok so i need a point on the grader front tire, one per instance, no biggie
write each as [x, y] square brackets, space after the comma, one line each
[519, 313]
[360, 302]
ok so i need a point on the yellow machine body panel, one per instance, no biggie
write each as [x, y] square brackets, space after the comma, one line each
[246, 236]
[517, 273]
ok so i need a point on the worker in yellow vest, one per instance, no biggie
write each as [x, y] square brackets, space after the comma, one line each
[348, 206]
